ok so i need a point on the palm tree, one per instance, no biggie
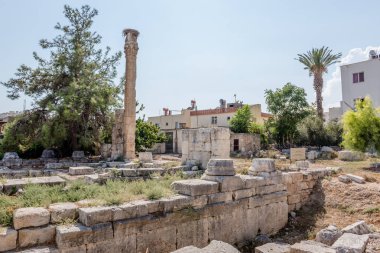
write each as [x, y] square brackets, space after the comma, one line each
[317, 61]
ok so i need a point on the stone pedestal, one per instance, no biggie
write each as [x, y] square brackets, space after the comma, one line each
[262, 167]
[220, 167]
[146, 157]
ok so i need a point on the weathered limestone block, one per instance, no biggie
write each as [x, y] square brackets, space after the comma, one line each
[266, 189]
[302, 164]
[30, 217]
[128, 172]
[63, 211]
[261, 200]
[8, 239]
[287, 178]
[273, 217]
[101, 232]
[359, 228]
[36, 236]
[68, 236]
[195, 187]
[12, 185]
[175, 203]
[312, 155]
[344, 179]
[90, 216]
[192, 233]
[244, 193]
[351, 243]
[221, 197]
[356, 179]
[252, 181]
[35, 173]
[56, 166]
[81, 171]
[46, 249]
[310, 247]
[126, 244]
[226, 183]
[188, 249]
[10, 155]
[134, 209]
[48, 153]
[294, 199]
[262, 165]
[218, 246]
[146, 157]
[220, 167]
[273, 247]
[347, 155]
[149, 241]
[78, 155]
[328, 235]
[296, 176]
[144, 172]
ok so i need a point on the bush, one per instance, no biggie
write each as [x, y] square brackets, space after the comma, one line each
[361, 128]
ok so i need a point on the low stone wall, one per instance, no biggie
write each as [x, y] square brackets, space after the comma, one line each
[222, 206]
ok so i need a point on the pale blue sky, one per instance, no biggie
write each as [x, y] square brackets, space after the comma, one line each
[202, 49]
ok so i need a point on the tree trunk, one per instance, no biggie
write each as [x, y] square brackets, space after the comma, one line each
[318, 87]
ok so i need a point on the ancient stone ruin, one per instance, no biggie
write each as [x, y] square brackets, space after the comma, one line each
[221, 206]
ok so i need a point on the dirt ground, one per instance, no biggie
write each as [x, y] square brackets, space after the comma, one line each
[336, 203]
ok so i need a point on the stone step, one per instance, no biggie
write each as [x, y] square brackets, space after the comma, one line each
[84, 170]
[12, 185]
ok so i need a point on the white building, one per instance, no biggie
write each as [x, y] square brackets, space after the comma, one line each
[359, 80]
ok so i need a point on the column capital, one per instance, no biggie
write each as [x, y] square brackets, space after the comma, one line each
[131, 47]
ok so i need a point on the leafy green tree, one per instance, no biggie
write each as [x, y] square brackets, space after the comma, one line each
[241, 121]
[361, 128]
[289, 107]
[255, 128]
[73, 90]
[317, 62]
[334, 131]
[147, 134]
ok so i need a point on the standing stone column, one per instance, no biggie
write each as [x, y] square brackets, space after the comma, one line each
[130, 48]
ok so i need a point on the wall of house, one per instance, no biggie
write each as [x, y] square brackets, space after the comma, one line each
[201, 144]
[248, 144]
[232, 210]
[370, 87]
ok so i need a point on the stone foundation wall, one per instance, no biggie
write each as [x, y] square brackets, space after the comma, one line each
[232, 209]
[202, 144]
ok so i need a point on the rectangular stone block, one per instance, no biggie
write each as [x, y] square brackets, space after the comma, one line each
[36, 236]
[63, 211]
[102, 232]
[90, 216]
[296, 176]
[8, 239]
[252, 181]
[192, 233]
[195, 187]
[72, 236]
[226, 183]
[198, 202]
[351, 243]
[149, 241]
[244, 193]
[221, 197]
[266, 189]
[175, 203]
[310, 247]
[30, 217]
[297, 154]
[274, 247]
[125, 245]
[74, 171]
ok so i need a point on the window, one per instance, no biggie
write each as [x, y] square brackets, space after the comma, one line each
[358, 77]
[167, 124]
[214, 120]
[228, 118]
[182, 125]
[176, 125]
[236, 145]
[157, 125]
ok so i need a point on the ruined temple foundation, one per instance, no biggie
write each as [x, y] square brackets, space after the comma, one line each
[222, 206]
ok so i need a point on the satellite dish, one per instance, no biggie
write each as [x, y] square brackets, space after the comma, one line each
[372, 54]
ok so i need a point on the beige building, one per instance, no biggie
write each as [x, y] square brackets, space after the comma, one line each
[190, 118]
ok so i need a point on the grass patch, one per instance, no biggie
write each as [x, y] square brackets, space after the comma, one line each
[372, 210]
[113, 192]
